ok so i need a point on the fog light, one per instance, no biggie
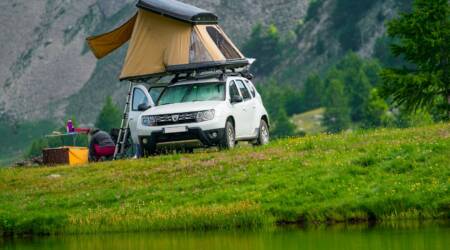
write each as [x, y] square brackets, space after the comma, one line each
[145, 141]
[213, 135]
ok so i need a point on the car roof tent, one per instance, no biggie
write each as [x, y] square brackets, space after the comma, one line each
[166, 37]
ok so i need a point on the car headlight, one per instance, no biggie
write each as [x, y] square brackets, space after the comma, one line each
[149, 120]
[205, 115]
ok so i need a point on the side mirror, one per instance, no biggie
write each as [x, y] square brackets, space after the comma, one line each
[143, 107]
[236, 99]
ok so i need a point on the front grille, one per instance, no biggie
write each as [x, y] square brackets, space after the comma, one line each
[162, 120]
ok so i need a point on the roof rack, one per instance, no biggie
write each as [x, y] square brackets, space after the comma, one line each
[220, 74]
[208, 66]
[194, 71]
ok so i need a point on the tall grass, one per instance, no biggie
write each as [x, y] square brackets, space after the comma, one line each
[387, 174]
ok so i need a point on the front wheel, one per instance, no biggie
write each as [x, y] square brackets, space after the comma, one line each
[229, 138]
[263, 135]
[149, 151]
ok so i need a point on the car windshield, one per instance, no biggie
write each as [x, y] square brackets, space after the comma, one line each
[193, 93]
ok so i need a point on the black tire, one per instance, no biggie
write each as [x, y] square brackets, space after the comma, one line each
[185, 151]
[263, 134]
[228, 140]
[149, 151]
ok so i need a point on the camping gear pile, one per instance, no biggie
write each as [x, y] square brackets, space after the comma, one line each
[167, 38]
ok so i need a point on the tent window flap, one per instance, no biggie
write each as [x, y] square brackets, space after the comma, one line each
[198, 52]
[222, 43]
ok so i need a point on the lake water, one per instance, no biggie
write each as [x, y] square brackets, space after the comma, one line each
[416, 237]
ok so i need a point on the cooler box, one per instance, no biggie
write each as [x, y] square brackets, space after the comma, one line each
[66, 156]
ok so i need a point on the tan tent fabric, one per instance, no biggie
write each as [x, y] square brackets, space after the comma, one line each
[157, 41]
[104, 44]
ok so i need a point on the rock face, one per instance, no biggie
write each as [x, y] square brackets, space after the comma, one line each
[46, 70]
[333, 31]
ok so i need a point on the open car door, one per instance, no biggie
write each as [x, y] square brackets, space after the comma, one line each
[141, 100]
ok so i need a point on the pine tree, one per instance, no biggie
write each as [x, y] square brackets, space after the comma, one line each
[283, 127]
[109, 117]
[356, 84]
[312, 93]
[424, 41]
[376, 112]
[337, 113]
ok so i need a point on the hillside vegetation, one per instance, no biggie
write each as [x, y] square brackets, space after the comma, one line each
[386, 174]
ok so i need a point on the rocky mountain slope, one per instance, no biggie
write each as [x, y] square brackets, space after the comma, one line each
[334, 27]
[46, 70]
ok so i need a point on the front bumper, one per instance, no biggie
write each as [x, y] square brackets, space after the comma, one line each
[206, 137]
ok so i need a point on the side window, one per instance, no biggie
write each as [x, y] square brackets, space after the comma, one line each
[244, 90]
[233, 90]
[251, 88]
[139, 98]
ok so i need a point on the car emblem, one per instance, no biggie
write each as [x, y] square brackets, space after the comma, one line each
[175, 118]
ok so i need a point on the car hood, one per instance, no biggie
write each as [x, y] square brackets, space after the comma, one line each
[183, 107]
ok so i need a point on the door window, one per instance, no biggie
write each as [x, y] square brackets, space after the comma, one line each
[233, 90]
[251, 87]
[139, 98]
[244, 90]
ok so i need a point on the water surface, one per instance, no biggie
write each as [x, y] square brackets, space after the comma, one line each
[415, 237]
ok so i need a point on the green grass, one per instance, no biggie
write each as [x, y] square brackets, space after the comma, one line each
[387, 174]
[310, 122]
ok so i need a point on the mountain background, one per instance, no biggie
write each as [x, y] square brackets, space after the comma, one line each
[47, 72]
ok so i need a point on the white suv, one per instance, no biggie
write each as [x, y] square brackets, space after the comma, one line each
[212, 112]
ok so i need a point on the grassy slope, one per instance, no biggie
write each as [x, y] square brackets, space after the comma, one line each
[383, 174]
[310, 122]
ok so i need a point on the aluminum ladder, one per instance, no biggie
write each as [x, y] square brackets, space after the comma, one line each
[124, 126]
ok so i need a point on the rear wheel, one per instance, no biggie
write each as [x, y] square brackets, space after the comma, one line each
[229, 138]
[264, 135]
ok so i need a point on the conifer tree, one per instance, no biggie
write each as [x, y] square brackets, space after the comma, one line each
[376, 112]
[266, 45]
[337, 113]
[109, 117]
[424, 41]
[283, 127]
[312, 93]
